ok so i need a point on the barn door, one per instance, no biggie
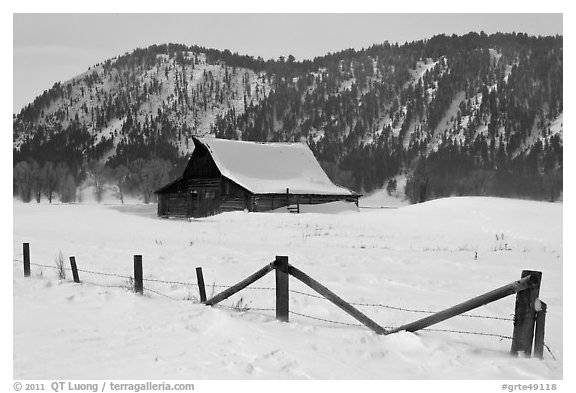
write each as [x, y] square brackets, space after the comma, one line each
[201, 204]
[208, 202]
[191, 203]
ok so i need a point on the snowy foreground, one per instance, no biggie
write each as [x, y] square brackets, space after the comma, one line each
[418, 257]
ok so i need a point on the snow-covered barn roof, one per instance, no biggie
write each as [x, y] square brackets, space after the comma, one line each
[270, 168]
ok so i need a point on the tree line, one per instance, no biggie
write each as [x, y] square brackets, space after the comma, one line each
[57, 181]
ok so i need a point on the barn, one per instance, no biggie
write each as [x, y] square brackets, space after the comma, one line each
[224, 175]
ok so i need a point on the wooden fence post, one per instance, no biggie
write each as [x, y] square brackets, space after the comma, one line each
[138, 276]
[282, 288]
[201, 287]
[74, 269]
[525, 316]
[539, 331]
[26, 252]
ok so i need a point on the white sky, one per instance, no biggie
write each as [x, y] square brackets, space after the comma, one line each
[56, 47]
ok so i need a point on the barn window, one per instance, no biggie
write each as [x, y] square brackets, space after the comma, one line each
[210, 194]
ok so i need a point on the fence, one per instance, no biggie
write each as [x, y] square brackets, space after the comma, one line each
[529, 316]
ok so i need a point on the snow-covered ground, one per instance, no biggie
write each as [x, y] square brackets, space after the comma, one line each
[380, 199]
[419, 257]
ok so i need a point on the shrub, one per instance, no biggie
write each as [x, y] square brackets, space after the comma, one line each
[60, 269]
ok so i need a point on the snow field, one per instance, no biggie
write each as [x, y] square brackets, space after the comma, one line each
[417, 257]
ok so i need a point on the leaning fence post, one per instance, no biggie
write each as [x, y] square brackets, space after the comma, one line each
[201, 287]
[26, 252]
[282, 289]
[74, 269]
[525, 315]
[331, 296]
[225, 294]
[138, 276]
[539, 331]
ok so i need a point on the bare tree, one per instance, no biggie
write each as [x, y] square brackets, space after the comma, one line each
[100, 176]
[23, 179]
[391, 186]
[150, 175]
[121, 174]
[36, 180]
[136, 168]
[553, 183]
[69, 190]
[66, 183]
[49, 180]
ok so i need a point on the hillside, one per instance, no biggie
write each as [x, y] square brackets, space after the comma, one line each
[422, 257]
[460, 115]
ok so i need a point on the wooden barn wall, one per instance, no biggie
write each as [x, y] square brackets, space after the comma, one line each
[205, 198]
[233, 197]
[265, 202]
[173, 204]
[202, 197]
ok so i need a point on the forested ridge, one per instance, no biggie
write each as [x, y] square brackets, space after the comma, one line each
[458, 115]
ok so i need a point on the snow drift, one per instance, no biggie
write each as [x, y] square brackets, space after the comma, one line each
[422, 257]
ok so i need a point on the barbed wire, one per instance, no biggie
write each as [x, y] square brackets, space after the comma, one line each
[549, 350]
[307, 294]
[380, 305]
[384, 305]
[496, 335]
[80, 270]
[248, 308]
[104, 274]
[427, 311]
[401, 308]
[502, 337]
[248, 287]
[325, 320]
[170, 282]
[260, 288]
[392, 327]
[161, 294]
[375, 304]
[106, 285]
[50, 267]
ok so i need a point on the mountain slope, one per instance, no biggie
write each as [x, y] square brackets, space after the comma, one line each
[444, 107]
